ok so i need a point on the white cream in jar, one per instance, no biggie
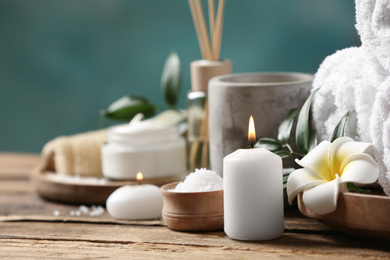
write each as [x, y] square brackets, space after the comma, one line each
[152, 147]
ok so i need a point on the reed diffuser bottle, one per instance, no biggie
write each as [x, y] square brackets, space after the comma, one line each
[201, 72]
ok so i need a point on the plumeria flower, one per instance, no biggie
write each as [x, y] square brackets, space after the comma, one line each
[327, 169]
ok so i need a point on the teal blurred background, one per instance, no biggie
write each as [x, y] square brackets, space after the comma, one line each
[61, 62]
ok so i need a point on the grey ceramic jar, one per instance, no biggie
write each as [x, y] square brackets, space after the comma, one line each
[233, 98]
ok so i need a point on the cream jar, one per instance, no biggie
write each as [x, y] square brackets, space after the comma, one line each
[154, 148]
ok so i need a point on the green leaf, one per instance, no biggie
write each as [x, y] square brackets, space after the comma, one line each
[283, 153]
[171, 79]
[302, 131]
[286, 126]
[339, 130]
[127, 107]
[287, 171]
[312, 140]
[269, 144]
[353, 188]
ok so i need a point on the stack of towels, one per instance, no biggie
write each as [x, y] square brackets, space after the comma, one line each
[358, 79]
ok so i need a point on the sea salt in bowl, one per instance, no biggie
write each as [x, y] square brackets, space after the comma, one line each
[195, 204]
[192, 210]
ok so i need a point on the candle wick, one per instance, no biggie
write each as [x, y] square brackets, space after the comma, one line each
[139, 182]
[251, 144]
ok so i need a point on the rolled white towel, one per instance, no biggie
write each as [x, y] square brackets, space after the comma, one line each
[380, 27]
[380, 130]
[349, 81]
[373, 25]
[364, 14]
[339, 79]
[358, 78]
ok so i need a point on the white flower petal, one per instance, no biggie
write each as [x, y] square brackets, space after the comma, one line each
[322, 199]
[300, 180]
[317, 161]
[359, 168]
[341, 148]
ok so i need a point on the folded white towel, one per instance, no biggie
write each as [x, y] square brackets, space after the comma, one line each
[380, 129]
[358, 79]
[380, 29]
[343, 81]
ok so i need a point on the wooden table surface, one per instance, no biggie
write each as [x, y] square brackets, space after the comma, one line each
[29, 229]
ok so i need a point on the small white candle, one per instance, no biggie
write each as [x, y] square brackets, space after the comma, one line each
[253, 194]
[132, 202]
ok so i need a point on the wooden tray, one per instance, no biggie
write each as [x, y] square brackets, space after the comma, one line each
[83, 193]
[358, 214]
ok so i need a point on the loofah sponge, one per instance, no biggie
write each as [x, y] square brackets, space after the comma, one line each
[75, 155]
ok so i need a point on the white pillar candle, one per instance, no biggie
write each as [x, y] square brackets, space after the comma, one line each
[134, 202]
[253, 195]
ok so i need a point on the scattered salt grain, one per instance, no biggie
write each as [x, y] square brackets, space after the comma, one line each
[76, 179]
[75, 213]
[56, 213]
[84, 209]
[200, 180]
[96, 211]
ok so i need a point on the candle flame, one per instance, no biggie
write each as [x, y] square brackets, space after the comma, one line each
[140, 176]
[251, 131]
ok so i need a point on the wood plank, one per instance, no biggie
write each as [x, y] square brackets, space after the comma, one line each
[17, 165]
[331, 244]
[38, 232]
[15, 187]
[35, 249]
[29, 206]
[19, 202]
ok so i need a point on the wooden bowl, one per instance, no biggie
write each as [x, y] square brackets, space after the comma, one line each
[192, 211]
[364, 215]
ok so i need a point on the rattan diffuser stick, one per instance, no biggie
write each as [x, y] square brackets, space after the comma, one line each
[210, 45]
[212, 18]
[210, 49]
[217, 34]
